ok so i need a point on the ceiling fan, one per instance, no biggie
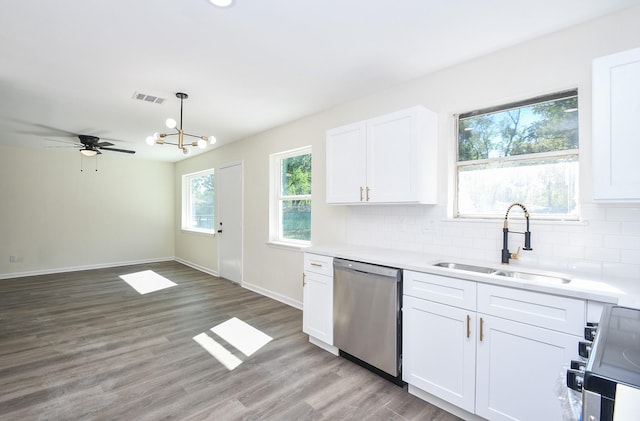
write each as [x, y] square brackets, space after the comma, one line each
[91, 146]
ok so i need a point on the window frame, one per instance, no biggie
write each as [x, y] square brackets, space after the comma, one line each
[574, 152]
[187, 202]
[276, 197]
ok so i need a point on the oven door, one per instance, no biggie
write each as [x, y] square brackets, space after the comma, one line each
[596, 407]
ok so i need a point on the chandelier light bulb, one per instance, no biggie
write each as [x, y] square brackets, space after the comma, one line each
[183, 143]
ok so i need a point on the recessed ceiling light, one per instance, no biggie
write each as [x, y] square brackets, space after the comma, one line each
[221, 3]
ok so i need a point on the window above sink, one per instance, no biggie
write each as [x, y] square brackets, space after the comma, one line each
[519, 152]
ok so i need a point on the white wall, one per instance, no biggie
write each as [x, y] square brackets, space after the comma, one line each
[606, 241]
[53, 217]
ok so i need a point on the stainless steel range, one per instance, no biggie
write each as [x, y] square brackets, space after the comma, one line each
[610, 378]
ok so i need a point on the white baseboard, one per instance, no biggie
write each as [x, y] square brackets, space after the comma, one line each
[196, 266]
[276, 296]
[329, 348]
[79, 268]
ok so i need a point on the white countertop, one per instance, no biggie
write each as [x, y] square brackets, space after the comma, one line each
[616, 291]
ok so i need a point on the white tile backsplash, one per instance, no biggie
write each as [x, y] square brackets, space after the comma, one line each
[606, 242]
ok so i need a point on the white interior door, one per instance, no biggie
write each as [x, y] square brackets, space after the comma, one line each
[230, 213]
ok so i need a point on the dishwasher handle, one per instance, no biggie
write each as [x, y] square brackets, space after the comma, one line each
[351, 265]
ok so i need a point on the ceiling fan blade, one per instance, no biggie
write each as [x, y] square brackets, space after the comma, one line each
[117, 150]
[103, 144]
[52, 131]
[67, 142]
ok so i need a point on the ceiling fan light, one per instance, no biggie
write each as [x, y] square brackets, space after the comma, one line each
[88, 152]
[150, 140]
[221, 3]
[202, 143]
[171, 123]
[212, 140]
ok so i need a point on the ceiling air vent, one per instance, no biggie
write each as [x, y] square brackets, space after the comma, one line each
[148, 98]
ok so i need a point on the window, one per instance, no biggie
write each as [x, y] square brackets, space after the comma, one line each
[291, 197]
[525, 152]
[198, 202]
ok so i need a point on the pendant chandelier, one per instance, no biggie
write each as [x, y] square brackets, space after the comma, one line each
[161, 138]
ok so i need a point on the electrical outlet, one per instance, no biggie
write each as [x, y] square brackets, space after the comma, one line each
[13, 259]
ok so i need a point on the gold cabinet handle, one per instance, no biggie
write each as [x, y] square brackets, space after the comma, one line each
[304, 275]
[468, 326]
[368, 189]
[361, 190]
[481, 331]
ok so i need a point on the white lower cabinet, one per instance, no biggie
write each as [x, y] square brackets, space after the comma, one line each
[500, 360]
[518, 366]
[317, 297]
[439, 350]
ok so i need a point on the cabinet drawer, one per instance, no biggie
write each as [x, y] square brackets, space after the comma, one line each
[318, 263]
[549, 311]
[440, 289]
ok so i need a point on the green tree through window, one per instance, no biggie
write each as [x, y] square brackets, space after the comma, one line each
[198, 203]
[524, 152]
[296, 209]
[290, 204]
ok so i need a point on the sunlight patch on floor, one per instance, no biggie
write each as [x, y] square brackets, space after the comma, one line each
[220, 353]
[238, 335]
[242, 336]
[147, 281]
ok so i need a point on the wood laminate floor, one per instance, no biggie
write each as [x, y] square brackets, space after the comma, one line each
[85, 345]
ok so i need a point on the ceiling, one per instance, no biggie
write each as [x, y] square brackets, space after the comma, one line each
[73, 67]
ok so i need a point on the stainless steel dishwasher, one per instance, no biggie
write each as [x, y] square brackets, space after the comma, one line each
[367, 319]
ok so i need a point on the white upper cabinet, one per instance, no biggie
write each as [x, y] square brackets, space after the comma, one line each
[387, 159]
[346, 167]
[616, 145]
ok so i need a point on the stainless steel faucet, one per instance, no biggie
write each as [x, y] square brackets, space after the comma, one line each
[506, 255]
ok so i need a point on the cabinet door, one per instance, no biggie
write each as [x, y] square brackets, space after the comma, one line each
[616, 101]
[346, 169]
[317, 303]
[518, 366]
[397, 158]
[439, 350]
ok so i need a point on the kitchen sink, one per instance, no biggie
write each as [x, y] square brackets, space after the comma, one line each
[532, 276]
[526, 276]
[468, 268]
